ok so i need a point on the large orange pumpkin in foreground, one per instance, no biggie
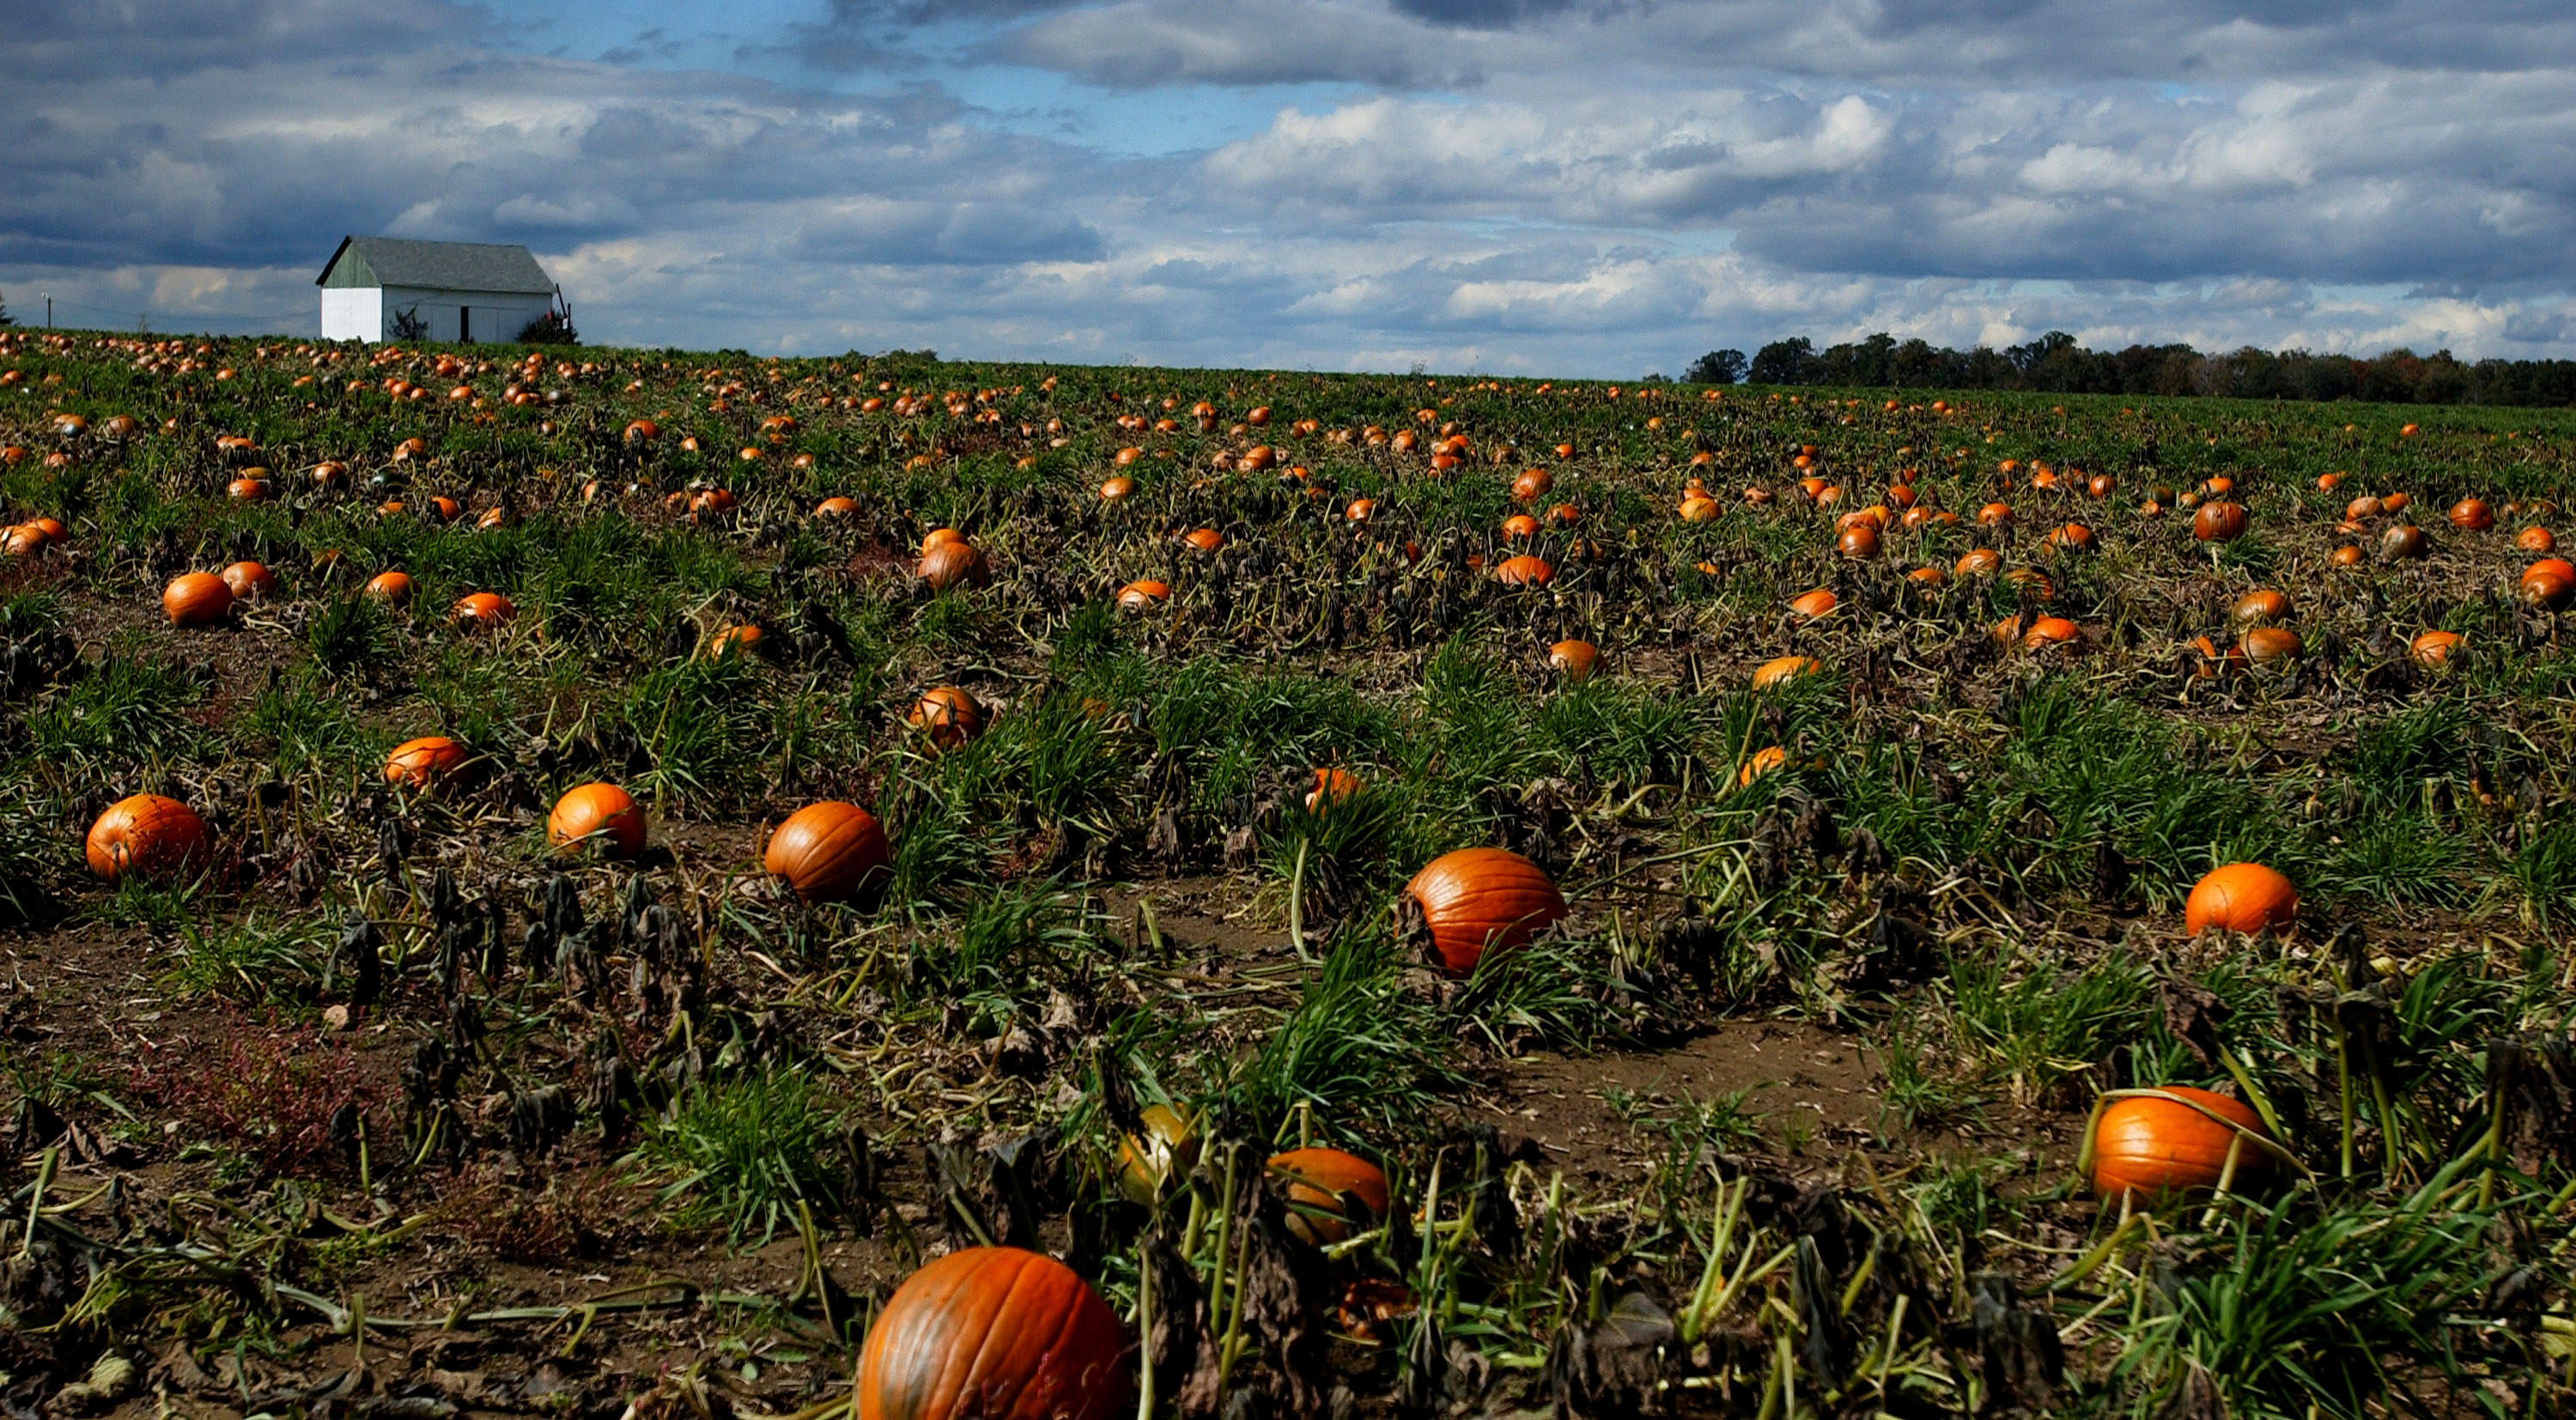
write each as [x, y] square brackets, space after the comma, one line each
[147, 834]
[418, 762]
[1481, 899]
[826, 851]
[602, 813]
[2241, 897]
[197, 599]
[994, 1333]
[1317, 1179]
[2158, 1148]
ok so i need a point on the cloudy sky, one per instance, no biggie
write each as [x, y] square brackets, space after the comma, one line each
[1576, 187]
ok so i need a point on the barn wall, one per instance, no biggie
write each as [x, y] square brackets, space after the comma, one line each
[496, 315]
[353, 314]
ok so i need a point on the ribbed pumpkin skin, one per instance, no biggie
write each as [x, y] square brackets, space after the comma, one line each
[994, 1333]
[1318, 1178]
[147, 834]
[1524, 572]
[603, 810]
[826, 851]
[2161, 1149]
[2241, 897]
[417, 762]
[1478, 896]
[946, 564]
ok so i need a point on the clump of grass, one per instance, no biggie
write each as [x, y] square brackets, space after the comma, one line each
[126, 711]
[743, 1153]
[351, 636]
[1357, 1049]
[255, 964]
[2307, 1304]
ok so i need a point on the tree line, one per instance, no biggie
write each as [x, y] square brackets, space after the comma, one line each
[2056, 363]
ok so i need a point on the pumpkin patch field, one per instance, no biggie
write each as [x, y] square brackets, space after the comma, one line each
[650, 884]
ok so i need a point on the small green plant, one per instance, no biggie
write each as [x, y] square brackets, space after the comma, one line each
[743, 1153]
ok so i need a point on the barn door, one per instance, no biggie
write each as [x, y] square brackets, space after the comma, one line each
[464, 325]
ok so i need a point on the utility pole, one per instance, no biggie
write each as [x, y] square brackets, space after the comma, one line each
[49, 310]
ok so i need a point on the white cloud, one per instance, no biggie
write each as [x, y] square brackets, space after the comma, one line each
[1543, 185]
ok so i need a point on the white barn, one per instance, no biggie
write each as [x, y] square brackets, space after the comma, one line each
[458, 291]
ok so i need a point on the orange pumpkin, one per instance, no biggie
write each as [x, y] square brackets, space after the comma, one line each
[2433, 648]
[2263, 645]
[2549, 583]
[1577, 659]
[947, 564]
[1144, 595]
[1859, 541]
[2241, 897]
[484, 610]
[1532, 485]
[1781, 670]
[2472, 515]
[1700, 510]
[1524, 572]
[1205, 539]
[1977, 562]
[1114, 489]
[836, 507]
[600, 812]
[197, 599]
[1332, 786]
[1483, 899]
[948, 715]
[2536, 540]
[936, 536]
[26, 540]
[733, 641]
[2403, 542]
[1316, 1181]
[249, 580]
[2156, 1149]
[2049, 631]
[1814, 604]
[417, 763]
[394, 587]
[147, 834]
[1762, 762]
[994, 1333]
[2259, 607]
[826, 851]
[2219, 522]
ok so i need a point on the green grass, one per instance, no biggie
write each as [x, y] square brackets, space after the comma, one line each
[742, 1154]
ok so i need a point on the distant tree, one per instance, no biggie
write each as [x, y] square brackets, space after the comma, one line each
[1786, 362]
[1717, 367]
[5, 320]
[552, 328]
[409, 324]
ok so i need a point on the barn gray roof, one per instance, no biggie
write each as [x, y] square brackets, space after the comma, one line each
[443, 266]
